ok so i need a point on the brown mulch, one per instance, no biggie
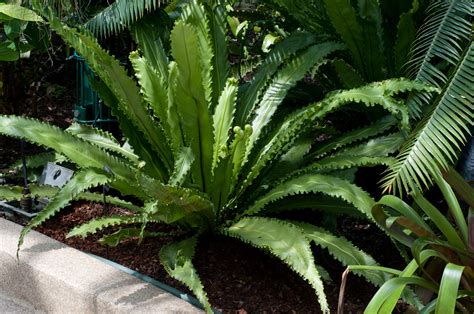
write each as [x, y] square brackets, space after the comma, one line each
[237, 277]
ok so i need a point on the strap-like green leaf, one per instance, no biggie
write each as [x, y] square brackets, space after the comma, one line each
[454, 207]
[177, 258]
[439, 220]
[392, 285]
[287, 242]
[448, 289]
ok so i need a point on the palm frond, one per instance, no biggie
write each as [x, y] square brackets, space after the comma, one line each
[440, 39]
[438, 138]
[120, 15]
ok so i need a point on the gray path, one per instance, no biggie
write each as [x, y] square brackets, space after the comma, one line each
[7, 305]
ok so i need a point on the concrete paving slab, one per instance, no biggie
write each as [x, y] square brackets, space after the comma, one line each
[11, 306]
[56, 278]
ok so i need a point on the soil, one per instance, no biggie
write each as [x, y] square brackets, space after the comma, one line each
[237, 277]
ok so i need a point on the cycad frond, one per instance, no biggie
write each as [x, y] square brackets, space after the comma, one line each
[438, 138]
[440, 39]
[121, 14]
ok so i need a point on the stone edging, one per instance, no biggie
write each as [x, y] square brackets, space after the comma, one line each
[55, 278]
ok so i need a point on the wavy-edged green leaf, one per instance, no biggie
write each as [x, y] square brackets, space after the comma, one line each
[122, 234]
[331, 205]
[344, 19]
[100, 138]
[377, 147]
[99, 198]
[191, 97]
[98, 224]
[39, 160]
[220, 63]
[176, 202]
[406, 34]
[196, 15]
[121, 14]
[372, 46]
[80, 182]
[311, 14]
[251, 93]
[139, 145]
[20, 13]
[354, 136]
[317, 183]
[343, 251]
[10, 193]
[183, 162]
[281, 140]
[343, 162]
[223, 118]
[285, 79]
[152, 87]
[348, 76]
[435, 142]
[151, 43]
[77, 150]
[286, 241]
[177, 258]
[122, 86]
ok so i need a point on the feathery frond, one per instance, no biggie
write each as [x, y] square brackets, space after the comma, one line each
[437, 139]
[120, 15]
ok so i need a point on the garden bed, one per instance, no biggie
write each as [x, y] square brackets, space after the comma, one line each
[237, 277]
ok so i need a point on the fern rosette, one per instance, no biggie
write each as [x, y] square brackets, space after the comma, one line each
[210, 154]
